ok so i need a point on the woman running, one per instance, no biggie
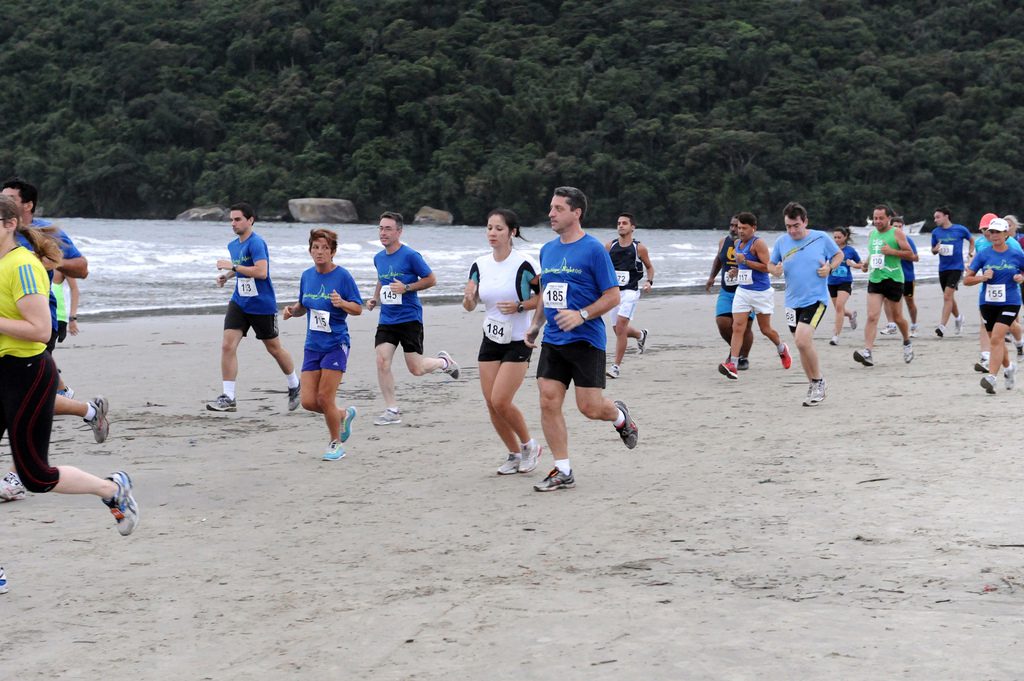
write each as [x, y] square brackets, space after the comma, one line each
[504, 282]
[999, 268]
[327, 295]
[840, 282]
[28, 376]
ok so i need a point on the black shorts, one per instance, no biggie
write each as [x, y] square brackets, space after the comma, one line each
[237, 319]
[908, 289]
[516, 351]
[950, 279]
[407, 334]
[998, 314]
[889, 288]
[54, 335]
[580, 363]
[834, 289]
[811, 314]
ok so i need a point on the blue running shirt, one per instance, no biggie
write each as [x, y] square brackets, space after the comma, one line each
[842, 274]
[1001, 289]
[573, 276]
[951, 242]
[254, 296]
[326, 325]
[800, 262]
[407, 266]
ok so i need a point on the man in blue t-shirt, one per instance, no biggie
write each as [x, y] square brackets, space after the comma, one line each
[948, 243]
[806, 257]
[401, 272]
[253, 305]
[578, 285]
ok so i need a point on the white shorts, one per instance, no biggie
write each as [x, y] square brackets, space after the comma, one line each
[760, 302]
[628, 299]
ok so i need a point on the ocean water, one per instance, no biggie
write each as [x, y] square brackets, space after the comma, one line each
[157, 267]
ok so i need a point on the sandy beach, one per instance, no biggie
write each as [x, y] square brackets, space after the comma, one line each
[877, 536]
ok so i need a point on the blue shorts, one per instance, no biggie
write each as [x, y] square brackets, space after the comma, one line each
[723, 306]
[335, 360]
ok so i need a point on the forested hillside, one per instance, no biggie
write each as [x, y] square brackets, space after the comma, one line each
[681, 112]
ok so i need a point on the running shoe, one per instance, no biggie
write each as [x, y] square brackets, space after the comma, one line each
[613, 371]
[958, 324]
[452, 369]
[11, 488]
[3, 581]
[294, 399]
[1010, 376]
[889, 329]
[334, 451]
[1020, 349]
[641, 342]
[67, 392]
[389, 417]
[908, 352]
[834, 341]
[981, 366]
[864, 357]
[913, 330]
[99, 423]
[556, 480]
[787, 359]
[122, 505]
[728, 369]
[940, 331]
[222, 403]
[346, 423]
[815, 393]
[511, 465]
[629, 432]
[853, 321]
[531, 457]
[988, 382]
[742, 363]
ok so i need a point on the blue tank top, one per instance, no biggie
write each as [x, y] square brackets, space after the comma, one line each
[761, 281]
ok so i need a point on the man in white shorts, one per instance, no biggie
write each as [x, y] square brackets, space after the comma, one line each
[631, 261]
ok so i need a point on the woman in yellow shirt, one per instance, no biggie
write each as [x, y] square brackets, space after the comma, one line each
[28, 376]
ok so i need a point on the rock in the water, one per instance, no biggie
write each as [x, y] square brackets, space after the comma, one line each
[205, 214]
[323, 210]
[432, 216]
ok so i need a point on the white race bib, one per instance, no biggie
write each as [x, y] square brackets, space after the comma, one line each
[622, 277]
[945, 249]
[790, 317]
[877, 261]
[389, 297]
[320, 320]
[556, 295]
[745, 277]
[246, 287]
[731, 281]
[498, 330]
[995, 293]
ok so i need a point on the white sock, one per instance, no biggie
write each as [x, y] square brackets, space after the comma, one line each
[781, 347]
[621, 419]
[984, 356]
[394, 410]
[444, 363]
[293, 380]
[563, 466]
[90, 412]
[733, 359]
[518, 455]
[530, 445]
[229, 389]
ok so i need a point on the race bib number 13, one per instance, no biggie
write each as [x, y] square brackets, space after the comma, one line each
[556, 295]
[946, 249]
[246, 287]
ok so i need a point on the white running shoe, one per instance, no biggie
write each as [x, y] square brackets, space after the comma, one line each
[889, 329]
[908, 353]
[834, 341]
[11, 488]
[958, 324]
[389, 417]
[531, 457]
[67, 392]
[1010, 376]
[452, 368]
[511, 465]
[815, 393]
[641, 342]
[988, 382]
[981, 366]
[853, 321]
[613, 371]
[913, 330]
[940, 331]
[100, 424]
